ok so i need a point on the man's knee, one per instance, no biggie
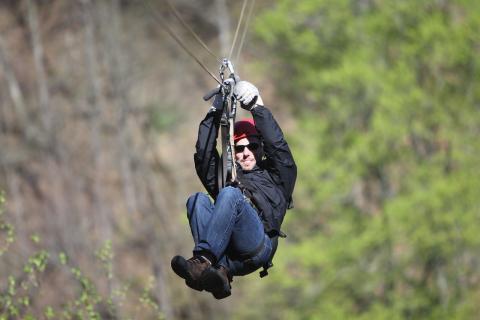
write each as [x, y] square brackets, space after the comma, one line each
[195, 200]
[230, 193]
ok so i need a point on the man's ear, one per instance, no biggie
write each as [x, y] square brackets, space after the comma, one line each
[261, 152]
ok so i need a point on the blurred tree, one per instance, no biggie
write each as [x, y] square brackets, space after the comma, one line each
[387, 100]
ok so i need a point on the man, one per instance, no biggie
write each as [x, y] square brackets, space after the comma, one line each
[238, 233]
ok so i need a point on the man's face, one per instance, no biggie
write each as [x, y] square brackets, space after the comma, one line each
[248, 151]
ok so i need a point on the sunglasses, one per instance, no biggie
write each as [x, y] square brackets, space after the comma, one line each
[251, 146]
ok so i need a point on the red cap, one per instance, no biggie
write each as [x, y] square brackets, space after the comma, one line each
[244, 128]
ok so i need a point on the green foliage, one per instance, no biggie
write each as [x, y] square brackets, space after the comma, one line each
[163, 118]
[19, 289]
[105, 255]
[387, 100]
[147, 300]
[15, 300]
[7, 231]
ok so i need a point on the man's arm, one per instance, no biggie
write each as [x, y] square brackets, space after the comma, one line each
[284, 170]
[276, 148]
[206, 157]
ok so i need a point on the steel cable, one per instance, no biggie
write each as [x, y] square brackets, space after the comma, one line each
[185, 24]
[238, 28]
[245, 29]
[167, 28]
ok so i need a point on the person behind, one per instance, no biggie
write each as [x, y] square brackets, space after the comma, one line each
[238, 233]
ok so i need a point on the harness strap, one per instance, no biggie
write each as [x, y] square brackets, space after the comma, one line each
[269, 263]
[223, 168]
[231, 144]
[227, 169]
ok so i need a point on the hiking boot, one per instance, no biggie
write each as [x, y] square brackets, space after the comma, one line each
[191, 270]
[217, 281]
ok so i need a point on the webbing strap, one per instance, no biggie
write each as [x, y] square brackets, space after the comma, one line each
[231, 122]
[227, 169]
[223, 169]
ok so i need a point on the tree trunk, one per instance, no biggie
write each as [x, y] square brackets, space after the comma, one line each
[118, 74]
[38, 55]
[14, 91]
[95, 116]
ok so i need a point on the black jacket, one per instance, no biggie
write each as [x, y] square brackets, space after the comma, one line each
[269, 185]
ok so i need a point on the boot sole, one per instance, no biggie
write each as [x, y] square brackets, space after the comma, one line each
[213, 282]
[179, 266]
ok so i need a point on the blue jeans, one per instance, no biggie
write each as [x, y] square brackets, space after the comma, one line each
[229, 229]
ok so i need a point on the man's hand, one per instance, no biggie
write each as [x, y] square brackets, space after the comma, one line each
[247, 94]
[217, 101]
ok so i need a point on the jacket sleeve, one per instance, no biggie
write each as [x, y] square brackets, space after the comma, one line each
[277, 151]
[206, 157]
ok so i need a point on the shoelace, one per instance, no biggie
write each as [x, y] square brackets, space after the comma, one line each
[199, 260]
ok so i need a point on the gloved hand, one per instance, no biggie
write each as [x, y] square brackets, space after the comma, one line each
[218, 102]
[247, 94]
[218, 99]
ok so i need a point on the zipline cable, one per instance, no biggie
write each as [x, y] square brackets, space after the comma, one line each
[245, 29]
[185, 24]
[226, 85]
[167, 28]
[238, 28]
